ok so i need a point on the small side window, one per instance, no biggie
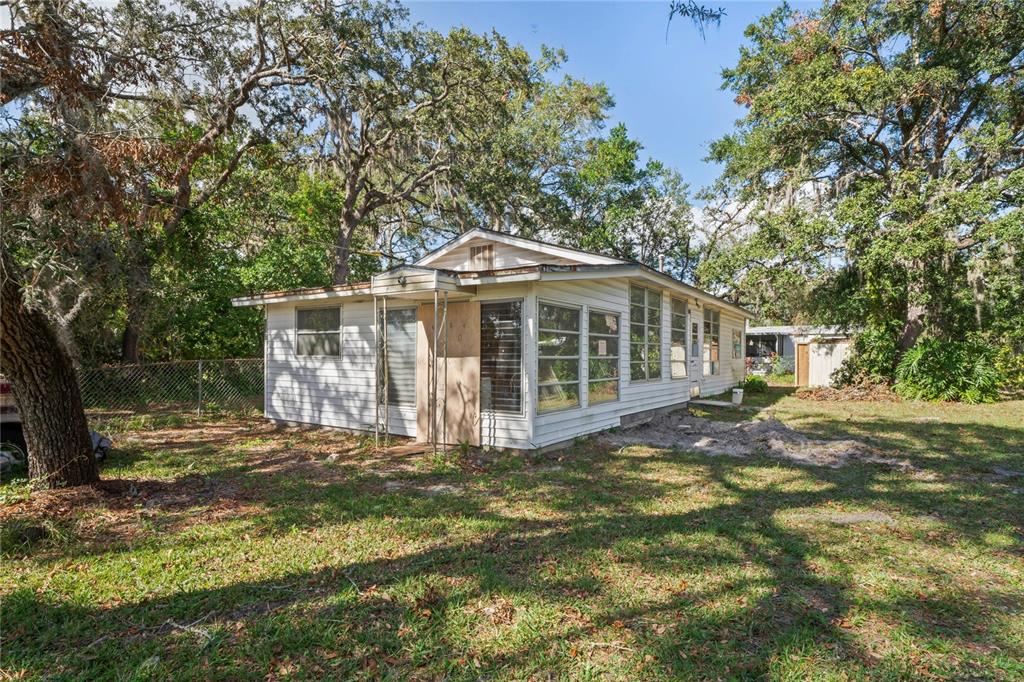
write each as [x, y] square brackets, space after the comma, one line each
[318, 332]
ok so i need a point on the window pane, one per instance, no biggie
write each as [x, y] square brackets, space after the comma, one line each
[653, 299]
[603, 369]
[637, 333]
[319, 319]
[678, 307]
[604, 347]
[557, 317]
[558, 397]
[636, 295]
[636, 314]
[654, 368]
[501, 358]
[319, 344]
[637, 352]
[553, 343]
[557, 370]
[604, 323]
[654, 316]
[401, 364]
[603, 391]
[637, 371]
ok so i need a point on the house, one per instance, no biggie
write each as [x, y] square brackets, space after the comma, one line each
[811, 353]
[497, 340]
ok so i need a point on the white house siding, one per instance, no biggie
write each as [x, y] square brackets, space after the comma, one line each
[505, 256]
[332, 391]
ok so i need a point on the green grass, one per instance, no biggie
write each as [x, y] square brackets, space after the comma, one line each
[231, 551]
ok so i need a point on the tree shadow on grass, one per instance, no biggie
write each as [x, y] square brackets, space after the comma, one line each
[654, 563]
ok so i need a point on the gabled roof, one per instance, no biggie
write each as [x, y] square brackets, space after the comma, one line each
[584, 257]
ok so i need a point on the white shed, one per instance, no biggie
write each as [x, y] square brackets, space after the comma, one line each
[818, 355]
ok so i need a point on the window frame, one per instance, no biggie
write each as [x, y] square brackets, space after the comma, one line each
[380, 343]
[617, 357]
[685, 331]
[737, 344]
[647, 327]
[712, 337]
[579, 357]
[340, 332]
[522, 353]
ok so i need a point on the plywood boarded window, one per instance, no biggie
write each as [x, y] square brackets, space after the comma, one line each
[677, 352]
[318, 331]
[558, 358]
[401, 356]
[602, 357]
[481, 257]
[712, 342]
[644, 334]
[501, 355]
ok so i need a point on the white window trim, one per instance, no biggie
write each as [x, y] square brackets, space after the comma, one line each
[686, 338]
[522, 355]
[705, 342]
[618, 358]
[661, 334]
[296, 332]
[579, 359]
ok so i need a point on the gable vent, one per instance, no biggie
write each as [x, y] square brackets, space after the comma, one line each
[481, 257]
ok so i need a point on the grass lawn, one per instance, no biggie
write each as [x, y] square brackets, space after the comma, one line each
[234, 550]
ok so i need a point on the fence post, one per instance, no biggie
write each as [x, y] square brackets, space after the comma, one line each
[199, 407]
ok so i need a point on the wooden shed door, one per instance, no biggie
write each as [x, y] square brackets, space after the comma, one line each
[463, 362]
[803, 362]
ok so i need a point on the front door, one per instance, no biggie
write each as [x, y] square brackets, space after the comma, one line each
[457, 405]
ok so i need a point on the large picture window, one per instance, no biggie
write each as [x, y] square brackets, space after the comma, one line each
[558, 358]
[318, 331]
[677, 353]
[501, 355]
[401, 356]
[644, 334]
[712, 330]
[602, 357]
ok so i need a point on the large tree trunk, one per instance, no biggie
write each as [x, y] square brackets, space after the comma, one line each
[59, 448]
[130, 342]
[342, 250]
[915, 315]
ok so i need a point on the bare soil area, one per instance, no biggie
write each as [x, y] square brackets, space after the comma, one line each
[683, 431]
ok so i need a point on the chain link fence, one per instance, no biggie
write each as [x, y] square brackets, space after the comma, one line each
[195, 386]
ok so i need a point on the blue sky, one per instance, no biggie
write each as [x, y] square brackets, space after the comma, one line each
[667, 93]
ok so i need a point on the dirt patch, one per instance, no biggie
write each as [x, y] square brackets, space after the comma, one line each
[878, 393]
[770, 437]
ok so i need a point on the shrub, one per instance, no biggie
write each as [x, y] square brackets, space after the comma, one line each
[754, 384]
[872, 358]
[949, 370]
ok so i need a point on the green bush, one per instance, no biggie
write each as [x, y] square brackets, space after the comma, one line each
[754, 384]
[949, 370]
[872, 358]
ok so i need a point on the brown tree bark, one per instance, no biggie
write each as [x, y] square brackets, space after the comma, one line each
[342, 250]
[916, 313]
[40, 369]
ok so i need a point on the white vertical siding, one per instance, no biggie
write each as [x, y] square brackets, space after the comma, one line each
[332, 391]
[825, 357]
